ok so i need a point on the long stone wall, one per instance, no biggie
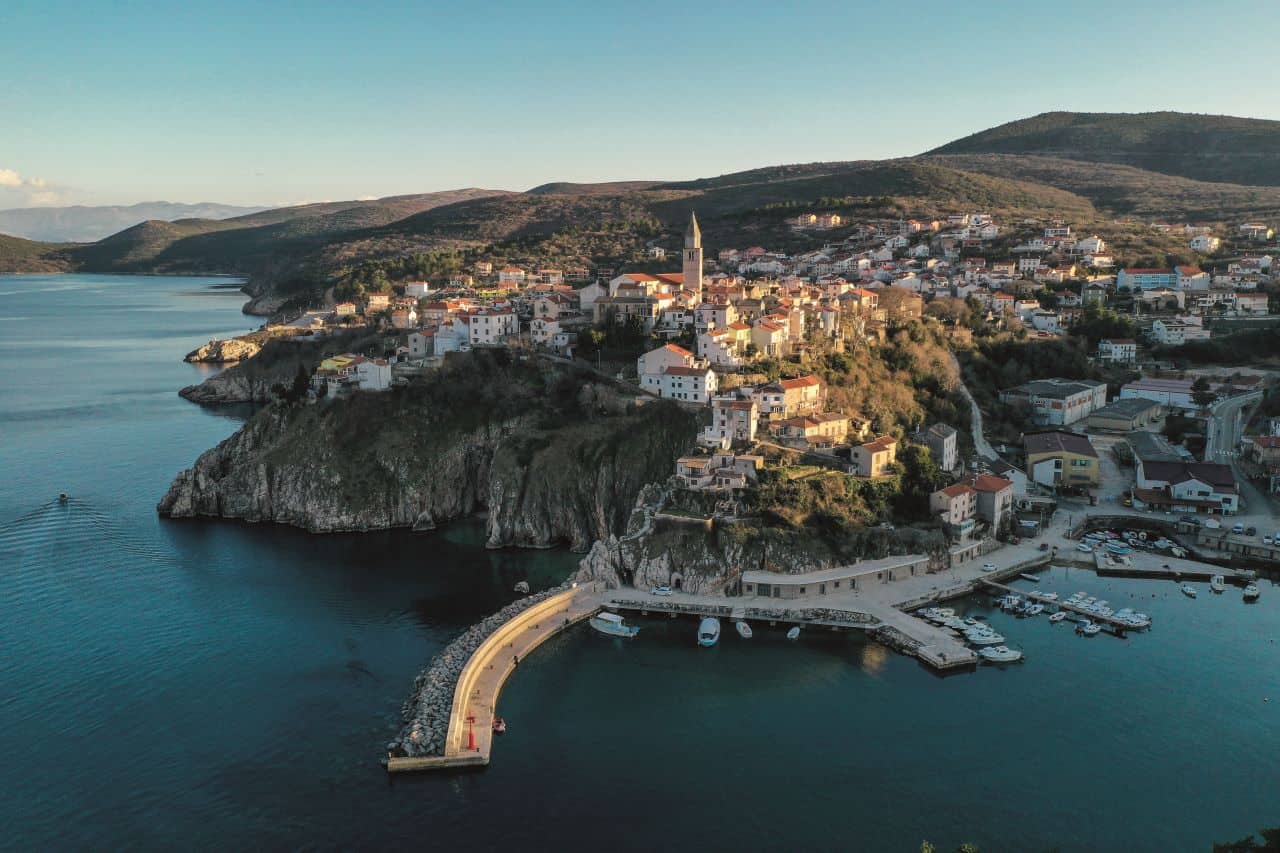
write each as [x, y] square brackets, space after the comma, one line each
[428, 710]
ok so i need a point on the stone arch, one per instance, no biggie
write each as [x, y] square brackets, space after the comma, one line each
[677, 580]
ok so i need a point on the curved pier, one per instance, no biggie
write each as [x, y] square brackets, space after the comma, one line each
[476, 694]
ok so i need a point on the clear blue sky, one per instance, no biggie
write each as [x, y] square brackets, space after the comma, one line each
[270, 102]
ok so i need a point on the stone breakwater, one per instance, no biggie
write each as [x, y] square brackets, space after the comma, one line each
[426, 712]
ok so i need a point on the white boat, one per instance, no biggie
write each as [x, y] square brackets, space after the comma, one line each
[971, 620]
[709, 631]
[1218, 583]
[744, 630]
[984, 638]
[955, 623]
[946, 612]
[1251, 592]
[612, 624]
[1048, 596]
[1000, 654]
[794, 633]
[1059, 616]
[1029, 577]
[1188, 590]
[1088, 629]
[1035, 609]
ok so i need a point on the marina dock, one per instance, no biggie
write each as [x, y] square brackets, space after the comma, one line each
[1115, 624]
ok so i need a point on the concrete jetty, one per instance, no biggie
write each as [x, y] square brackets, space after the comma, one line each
[475, 697]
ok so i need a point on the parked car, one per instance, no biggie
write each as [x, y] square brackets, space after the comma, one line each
[988, 567]
[660, 590]
[1237, 528]
[1251, 531]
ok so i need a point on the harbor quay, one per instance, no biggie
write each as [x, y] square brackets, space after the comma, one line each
[877, 597]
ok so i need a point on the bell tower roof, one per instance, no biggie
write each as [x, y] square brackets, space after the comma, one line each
[693, 234]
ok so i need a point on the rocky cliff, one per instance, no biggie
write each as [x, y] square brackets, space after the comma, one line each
[553, 458]
[702, 557]
[264, 360]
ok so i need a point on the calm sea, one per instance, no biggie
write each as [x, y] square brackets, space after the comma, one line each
[222, 685]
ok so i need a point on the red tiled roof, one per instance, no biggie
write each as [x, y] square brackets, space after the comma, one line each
[799, 382]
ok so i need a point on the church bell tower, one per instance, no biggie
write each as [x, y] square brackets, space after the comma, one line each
[693, 257]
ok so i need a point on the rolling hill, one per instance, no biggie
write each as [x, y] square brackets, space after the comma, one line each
[300, 250]
[1127, 190]
[83, 224]
[1201, 147]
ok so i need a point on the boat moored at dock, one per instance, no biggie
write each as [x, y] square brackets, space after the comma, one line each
[612, 625]
[743, 629]
[708, 632]
[1252, 592]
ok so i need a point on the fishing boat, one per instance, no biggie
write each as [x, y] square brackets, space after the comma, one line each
[1000, 654]
[1028, 577]
[1188, 590]
[1059, 616]
[1088, 629]
[1218, 583]
[612, 625]
[794, 633]
[984, 638]
[709, 632]
[1251, 592]
[743, 629]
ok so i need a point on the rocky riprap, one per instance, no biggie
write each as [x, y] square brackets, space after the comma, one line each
[426, 712]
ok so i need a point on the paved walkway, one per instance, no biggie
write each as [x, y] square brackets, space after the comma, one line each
[486, 672]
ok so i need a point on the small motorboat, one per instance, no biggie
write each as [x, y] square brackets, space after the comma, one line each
[1000, 654]
[971, 620]
[522, 587]
[1048, 596]
[499, 726]
[1251, 592]
[1059, 616]
[984, 638]
[743, 629]
[955, 624]
[708, 632]
[946, 612]
[1028, 577]
[794, 633]
[1035, 609]
[1188, 590]
[1218, 583]
[1088, 629]
[612, 625]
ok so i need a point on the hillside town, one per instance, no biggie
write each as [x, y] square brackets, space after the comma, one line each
[702, 333]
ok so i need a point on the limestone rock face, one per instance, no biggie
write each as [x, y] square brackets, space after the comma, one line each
[224, 351]
[362, 464]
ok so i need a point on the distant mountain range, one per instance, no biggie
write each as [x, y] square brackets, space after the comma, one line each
[81, 224]
[1088, 168]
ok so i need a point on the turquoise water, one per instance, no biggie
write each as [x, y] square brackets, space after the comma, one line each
[214, 684]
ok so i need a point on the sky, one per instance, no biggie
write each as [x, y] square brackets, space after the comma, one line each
[274, 102]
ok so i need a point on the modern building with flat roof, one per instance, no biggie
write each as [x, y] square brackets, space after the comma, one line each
[1126, 415]
[1058, 402]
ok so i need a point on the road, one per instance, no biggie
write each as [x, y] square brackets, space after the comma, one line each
[980, 444]
[1226, 426]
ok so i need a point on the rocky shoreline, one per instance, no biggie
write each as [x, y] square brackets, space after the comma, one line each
[425, 713]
